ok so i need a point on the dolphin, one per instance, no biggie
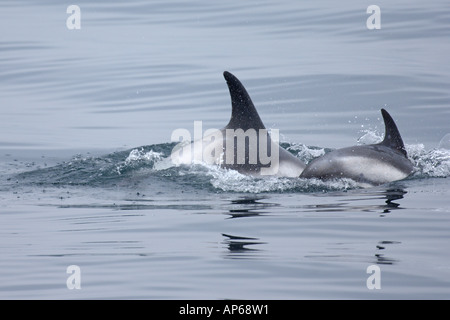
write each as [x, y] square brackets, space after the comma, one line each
[368, 165]
[244, 144]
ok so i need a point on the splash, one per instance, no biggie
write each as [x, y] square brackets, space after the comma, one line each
[201, 175]
[429, 164]
[369, 137]
[139, 158]
[126, 168]
[304, 152]
[232, 181]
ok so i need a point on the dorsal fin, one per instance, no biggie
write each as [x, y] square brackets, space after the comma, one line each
[392, 136]
[243, 113]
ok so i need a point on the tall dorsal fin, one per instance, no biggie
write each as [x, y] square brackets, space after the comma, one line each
[392, 137]
[243, 113]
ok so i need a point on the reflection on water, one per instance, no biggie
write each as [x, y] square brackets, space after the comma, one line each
[378, 200]
[392, 195]
[137, 71]
[356, 201]
[249, 206]
[238, 247]
[380, 257]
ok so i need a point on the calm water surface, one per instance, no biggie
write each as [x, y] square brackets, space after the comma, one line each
[86, 118]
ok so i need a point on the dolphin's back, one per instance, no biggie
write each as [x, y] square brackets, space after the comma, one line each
[368, 164]
[371, 164]
[245, 118]
[243, 144]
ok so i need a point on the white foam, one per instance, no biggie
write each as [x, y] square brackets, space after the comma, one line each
[432, 163]
[369, 137]
[304, 152]
[136, 155]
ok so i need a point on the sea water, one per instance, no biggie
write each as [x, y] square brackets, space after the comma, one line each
[91, 208]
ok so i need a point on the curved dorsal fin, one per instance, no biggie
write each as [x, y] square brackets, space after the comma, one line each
[392, 137]
[243, 113]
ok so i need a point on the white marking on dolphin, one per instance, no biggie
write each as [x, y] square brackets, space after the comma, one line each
[368, 165]
[244, 144]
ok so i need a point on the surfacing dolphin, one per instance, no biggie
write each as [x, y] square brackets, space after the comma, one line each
[244, 144]
[369, 165]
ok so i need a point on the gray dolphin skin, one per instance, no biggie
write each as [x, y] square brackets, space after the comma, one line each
[243, 144]
[244, 116]
[368, 165]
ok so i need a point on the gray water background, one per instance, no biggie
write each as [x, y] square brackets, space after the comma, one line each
[85, 116]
